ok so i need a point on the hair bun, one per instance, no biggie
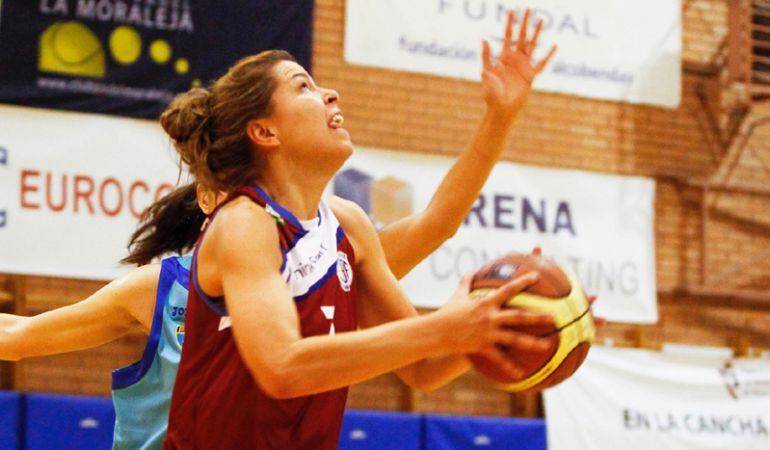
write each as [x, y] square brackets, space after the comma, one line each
[187, 114]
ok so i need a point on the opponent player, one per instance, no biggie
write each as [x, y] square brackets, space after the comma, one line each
[277, 297]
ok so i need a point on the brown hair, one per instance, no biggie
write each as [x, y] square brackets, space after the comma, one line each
[208, 126]
[170, 225]
[208, 129]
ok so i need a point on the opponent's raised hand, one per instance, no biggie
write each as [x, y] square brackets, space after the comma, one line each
[507, 81]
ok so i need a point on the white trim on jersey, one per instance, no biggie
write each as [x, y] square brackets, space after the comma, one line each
[313, 255]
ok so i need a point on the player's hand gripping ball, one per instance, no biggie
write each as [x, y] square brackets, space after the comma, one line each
[557, 292]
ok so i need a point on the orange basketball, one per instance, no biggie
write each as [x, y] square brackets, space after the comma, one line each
[558, 293]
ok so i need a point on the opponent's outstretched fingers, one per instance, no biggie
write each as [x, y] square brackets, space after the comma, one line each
[511, 288]
[532, 44]
[501, 360]
[521, 44]
[518, 317]
[507, 37]
[486, 55]
[543, 62]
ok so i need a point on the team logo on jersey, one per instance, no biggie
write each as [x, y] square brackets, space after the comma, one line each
[180, 334]
[344, 271]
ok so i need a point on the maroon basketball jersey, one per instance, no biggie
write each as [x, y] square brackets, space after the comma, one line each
[216, 403]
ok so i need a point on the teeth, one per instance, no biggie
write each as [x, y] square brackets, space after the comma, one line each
[338, 120]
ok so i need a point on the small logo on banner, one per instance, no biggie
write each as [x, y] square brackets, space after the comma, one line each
[743, 381]
[344, 271]
[385, 200]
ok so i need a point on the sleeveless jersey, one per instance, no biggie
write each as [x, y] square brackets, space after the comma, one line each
[217, 403]
[141, 392]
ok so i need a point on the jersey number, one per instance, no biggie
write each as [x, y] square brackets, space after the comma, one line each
[329, 314]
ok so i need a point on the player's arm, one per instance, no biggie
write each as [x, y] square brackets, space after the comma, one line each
[381, 300]
[506, 85]
[410, 240]
[240, 258]
[112, 311]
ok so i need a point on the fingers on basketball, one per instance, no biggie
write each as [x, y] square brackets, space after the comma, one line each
[513, 287]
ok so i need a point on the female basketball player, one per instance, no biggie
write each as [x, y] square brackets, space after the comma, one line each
[126, 302]
[282, 280]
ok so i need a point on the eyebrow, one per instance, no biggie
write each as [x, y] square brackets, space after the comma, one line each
[301, 75]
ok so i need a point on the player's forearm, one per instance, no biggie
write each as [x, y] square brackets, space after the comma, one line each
[323, 363]
[460, 188]
[409, 241]
[431, 373]
[9, 344]
[58, 331]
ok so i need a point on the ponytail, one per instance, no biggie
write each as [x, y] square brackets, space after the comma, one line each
[170, 225]
[208, 129]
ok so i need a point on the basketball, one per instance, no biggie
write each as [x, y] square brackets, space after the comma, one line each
[557, 292]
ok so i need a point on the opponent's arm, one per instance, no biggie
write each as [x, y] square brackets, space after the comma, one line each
[506, 85]
[112, 311]
[240, 258]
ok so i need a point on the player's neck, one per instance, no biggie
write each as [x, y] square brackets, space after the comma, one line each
[297, 190]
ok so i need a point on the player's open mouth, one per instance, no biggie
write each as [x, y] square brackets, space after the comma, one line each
[336, 121]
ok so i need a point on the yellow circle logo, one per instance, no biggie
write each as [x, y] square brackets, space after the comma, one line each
[71, 48]
[182, 66]
[125, 45]
[160, 51]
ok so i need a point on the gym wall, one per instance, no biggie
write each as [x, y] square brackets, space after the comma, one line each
[678, 147]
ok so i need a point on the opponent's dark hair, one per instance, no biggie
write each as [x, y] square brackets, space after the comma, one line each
[170, 225]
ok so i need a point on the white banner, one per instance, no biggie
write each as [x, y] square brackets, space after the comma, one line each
[72, 186]
[600, 226]
[608, 49]
[641, 399]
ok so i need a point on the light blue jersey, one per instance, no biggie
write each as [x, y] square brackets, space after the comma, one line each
[142, 391]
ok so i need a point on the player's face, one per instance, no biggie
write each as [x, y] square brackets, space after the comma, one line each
[307, 117]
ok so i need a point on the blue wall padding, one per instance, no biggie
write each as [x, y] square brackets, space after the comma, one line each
[67, 422]
[465, 432]
[10, 420]
[374, 430]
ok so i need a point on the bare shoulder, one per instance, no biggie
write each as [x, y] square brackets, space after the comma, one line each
[243, 227]
[140, 280]
[243, 219]
[134, 293]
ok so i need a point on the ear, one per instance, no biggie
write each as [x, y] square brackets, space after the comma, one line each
[262, 133]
